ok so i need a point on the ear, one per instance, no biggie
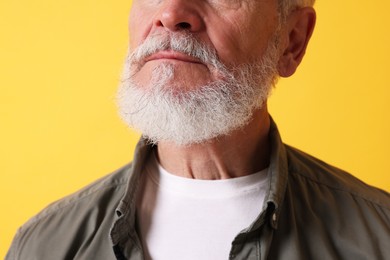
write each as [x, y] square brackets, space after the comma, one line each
[297, 32]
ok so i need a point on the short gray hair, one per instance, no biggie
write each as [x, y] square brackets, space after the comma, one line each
[286, 6]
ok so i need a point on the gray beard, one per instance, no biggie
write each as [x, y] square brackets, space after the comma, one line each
[202, 113]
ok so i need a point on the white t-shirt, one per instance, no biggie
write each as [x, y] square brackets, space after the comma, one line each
[182, 218]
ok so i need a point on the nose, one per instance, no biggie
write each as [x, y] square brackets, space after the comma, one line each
[177, 15]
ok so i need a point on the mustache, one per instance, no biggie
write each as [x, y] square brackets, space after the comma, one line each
[180, 42]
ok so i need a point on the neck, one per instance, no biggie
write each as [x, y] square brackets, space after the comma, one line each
[243, 152]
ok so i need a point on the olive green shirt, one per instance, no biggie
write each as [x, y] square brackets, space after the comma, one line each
[311, 211]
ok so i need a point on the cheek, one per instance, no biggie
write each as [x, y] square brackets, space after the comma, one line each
[229, 44]
[137, 27]
[233, 38]
[241, 37]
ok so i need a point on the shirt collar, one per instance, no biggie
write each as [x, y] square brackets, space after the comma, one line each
[123, 233]
[278, 175]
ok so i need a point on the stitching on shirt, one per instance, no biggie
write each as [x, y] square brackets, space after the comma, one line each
[62, 203]
[354, 194]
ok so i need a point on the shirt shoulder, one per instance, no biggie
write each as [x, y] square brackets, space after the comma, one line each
[88, 194]
[64, 227]
[328, 213]
[330, 177]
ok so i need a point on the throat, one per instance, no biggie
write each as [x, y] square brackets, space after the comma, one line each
[241, 153]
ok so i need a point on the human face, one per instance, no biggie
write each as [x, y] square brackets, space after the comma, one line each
[160, 96]
[238, 30]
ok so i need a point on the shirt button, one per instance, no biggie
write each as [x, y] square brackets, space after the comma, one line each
[273, 220]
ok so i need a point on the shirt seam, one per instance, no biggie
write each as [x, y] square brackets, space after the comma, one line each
[50, 212]
[354, 194]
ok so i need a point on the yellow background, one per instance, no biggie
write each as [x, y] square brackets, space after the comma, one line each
[60, 63]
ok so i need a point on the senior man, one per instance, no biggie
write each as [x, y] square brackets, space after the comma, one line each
[211, 178]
